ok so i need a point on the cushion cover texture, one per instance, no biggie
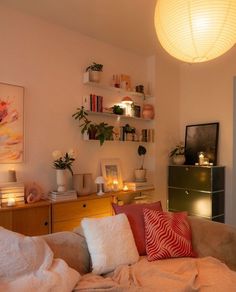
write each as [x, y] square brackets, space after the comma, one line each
[168, 235]
[110, 242]
[134, 212]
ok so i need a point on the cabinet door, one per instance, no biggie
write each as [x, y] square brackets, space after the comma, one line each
[31, 221]
[6, 219]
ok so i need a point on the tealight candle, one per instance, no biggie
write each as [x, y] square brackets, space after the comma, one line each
[11, 202]
[115, 185]
[125, 188]
[11, 175]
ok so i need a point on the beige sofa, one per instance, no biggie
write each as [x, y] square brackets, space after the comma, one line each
[209, 239]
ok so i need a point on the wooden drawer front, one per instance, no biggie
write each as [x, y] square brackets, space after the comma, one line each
[79, 209]
[32, 221]
[69, 225]
[196, 203]
[197, 178]
[6, 219]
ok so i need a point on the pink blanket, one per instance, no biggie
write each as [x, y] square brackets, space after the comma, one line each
[183, 274]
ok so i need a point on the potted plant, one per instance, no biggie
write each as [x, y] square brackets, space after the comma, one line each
[101, 131]
[177, 154]
[140, 173]
[94, 71]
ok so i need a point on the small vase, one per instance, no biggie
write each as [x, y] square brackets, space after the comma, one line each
[148, 111]
[61, 180]
[178, 159]
[140, 175]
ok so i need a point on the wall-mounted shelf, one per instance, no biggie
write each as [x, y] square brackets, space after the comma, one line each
[111, 115]
[115, 89]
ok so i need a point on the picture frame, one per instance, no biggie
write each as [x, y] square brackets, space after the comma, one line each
[201, 138]
[11, 123]
[111, 171]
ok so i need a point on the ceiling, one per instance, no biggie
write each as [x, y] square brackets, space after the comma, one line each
[128, 24]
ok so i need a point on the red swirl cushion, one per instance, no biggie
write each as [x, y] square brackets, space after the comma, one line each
[168, 235]
[134, 212]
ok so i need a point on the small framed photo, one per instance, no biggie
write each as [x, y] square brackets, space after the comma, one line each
[111, 171]
[137, 111]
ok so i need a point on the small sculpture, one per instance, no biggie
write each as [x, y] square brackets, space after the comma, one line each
[33, 193]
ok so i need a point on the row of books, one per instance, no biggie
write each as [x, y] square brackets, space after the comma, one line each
[93, 103]
[145, 135]
[14, 190]
[139, 186]
[62, 196]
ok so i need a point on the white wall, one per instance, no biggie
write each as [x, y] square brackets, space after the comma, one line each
[206, 95]
[49, 61]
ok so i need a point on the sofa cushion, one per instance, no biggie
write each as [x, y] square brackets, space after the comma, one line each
[168, 235]
[110, 242]
[134, 212]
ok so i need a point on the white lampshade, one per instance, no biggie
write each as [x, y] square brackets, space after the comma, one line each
[127, 100]
[196, 31]
[100, 180]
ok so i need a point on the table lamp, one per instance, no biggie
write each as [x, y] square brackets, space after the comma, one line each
[100, 181]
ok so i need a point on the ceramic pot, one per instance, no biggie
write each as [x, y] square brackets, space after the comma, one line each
[178, 159]
[140, 174]
[148, 111]
[61, 180]
[95, 76]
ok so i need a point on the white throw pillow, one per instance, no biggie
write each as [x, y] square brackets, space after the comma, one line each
[110, 242]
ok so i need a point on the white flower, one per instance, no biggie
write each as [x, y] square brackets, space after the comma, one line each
[56, 154]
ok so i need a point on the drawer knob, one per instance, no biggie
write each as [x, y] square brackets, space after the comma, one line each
[186, 168]
[84, 205]
[45, 223]
[187, 192]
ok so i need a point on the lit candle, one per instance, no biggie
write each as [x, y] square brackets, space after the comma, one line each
[125, 188]
[11, 175]
[115, 184]
[11, 202]
[201, 158]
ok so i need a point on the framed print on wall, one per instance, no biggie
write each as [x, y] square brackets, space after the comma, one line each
[11, 123]
[201, 138]
[111, 171]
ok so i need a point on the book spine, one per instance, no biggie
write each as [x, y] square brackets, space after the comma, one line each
[91, 102]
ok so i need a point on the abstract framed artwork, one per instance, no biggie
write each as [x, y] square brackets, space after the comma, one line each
[111, 171]
[11, 123]
[201, 138]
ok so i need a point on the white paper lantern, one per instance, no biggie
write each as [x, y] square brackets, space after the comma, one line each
[196, 31]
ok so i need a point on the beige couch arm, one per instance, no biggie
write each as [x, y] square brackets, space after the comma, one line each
[214, 239]
[70, 247]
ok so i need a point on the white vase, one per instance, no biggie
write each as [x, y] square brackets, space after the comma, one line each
[178, 159]
[61, 180]
[140, 174]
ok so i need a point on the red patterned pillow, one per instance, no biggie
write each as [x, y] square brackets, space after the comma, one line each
[134, 212]
[168, 235]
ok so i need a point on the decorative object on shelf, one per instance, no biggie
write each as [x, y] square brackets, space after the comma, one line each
[111, 171]
[196, 31]
[100, 181]
[83, 183]
[201, 138]
[148, 111]
[125, 82]
[177, 154]
[201, 158]
[127, 101]
[94, 71]
[103, 130]
[61, 163]
[12, 175]
[139, 88]
[14, 190]
[140, 173]
[11, 123]
[33, 193]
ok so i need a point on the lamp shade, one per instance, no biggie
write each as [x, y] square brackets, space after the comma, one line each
[127, 100]
[100, 180]
[196, 31]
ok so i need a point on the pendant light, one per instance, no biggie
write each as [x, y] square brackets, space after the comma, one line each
[196, 31]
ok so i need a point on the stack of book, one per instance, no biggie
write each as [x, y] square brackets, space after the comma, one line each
[93, 103]
[62, 196]
[139, 186]
[14, 190]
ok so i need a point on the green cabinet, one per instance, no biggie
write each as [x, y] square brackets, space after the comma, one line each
[199, 190]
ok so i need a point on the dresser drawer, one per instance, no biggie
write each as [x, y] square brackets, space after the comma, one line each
[196, 178]
[196, 203]
[79, 209]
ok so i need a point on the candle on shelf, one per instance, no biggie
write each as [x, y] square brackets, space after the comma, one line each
[11, 201]
[201, 158]
[115, 185]
[11, 175]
